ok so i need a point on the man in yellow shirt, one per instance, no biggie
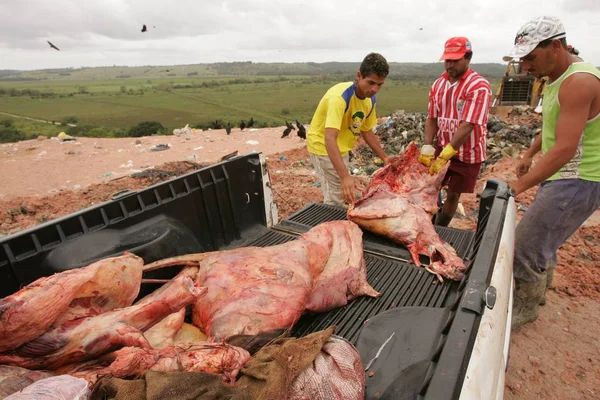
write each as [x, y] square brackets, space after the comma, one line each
[346, 111]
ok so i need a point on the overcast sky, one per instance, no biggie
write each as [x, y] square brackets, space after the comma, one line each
[108, 32]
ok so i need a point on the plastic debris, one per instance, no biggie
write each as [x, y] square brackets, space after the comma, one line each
[160, 147]
[63, 137]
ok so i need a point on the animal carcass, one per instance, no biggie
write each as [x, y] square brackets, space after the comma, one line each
[85, 338]
[102, 286]
[254, 289]
[398, 203]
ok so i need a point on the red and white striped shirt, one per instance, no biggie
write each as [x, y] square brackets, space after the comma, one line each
[467, 99]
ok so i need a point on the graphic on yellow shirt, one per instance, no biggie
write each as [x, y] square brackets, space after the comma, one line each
[341, 109]
[357, 119]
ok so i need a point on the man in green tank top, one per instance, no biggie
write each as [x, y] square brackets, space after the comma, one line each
[568, 172]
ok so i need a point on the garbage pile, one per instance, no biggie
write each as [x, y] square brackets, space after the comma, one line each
[505, 138]
[394, 134]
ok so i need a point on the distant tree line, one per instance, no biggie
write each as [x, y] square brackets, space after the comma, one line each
[9, 133]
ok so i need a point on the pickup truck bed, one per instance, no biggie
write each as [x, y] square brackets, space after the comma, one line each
[228, 205]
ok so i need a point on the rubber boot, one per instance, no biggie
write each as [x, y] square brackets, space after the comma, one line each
[549, 279]
[527, 301]
[442, 219]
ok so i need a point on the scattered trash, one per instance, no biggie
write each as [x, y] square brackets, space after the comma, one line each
[282, 158]
[76, 187]
[461, 209]
[253, 130]
[128, 165]
[316, 184]
[198, 148]
[121, 151]
[252, 142]
[192, 157]
[378, 161]
[73, 152]
[186, 130]
[43, 153]
[522, 207]
[63, 137]
[160, 147]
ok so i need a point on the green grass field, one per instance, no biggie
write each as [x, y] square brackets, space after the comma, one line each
[122, 103]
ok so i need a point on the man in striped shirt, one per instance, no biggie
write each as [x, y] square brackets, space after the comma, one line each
[456, 127]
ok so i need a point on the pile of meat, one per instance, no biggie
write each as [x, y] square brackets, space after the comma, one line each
[84, 323]
[399, 203]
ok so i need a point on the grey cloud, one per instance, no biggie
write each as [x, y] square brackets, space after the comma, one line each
[190, 31]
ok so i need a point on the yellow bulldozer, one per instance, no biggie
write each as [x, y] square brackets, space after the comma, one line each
[519, 88]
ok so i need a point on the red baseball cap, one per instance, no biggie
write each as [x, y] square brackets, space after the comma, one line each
[455, 48]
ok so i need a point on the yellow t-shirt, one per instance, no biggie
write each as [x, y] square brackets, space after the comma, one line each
[341, 109]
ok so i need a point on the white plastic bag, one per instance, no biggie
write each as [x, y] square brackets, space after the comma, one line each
[62, 387]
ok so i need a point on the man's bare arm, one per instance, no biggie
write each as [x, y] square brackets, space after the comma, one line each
[373, 142]
[535, 147]
[575, 96]
[525, 162]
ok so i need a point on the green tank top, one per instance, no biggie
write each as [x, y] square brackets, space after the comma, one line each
[586, 162]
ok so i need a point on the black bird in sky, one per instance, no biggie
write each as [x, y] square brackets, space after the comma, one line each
[53, 46]
[144, 28]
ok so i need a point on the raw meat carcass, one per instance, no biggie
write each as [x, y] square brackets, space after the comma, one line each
[163, 334]
[342, 275]
[85, 338]
[202, 357]
[254, 289]
[398, 203]
[213, 358]
[102, 286]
